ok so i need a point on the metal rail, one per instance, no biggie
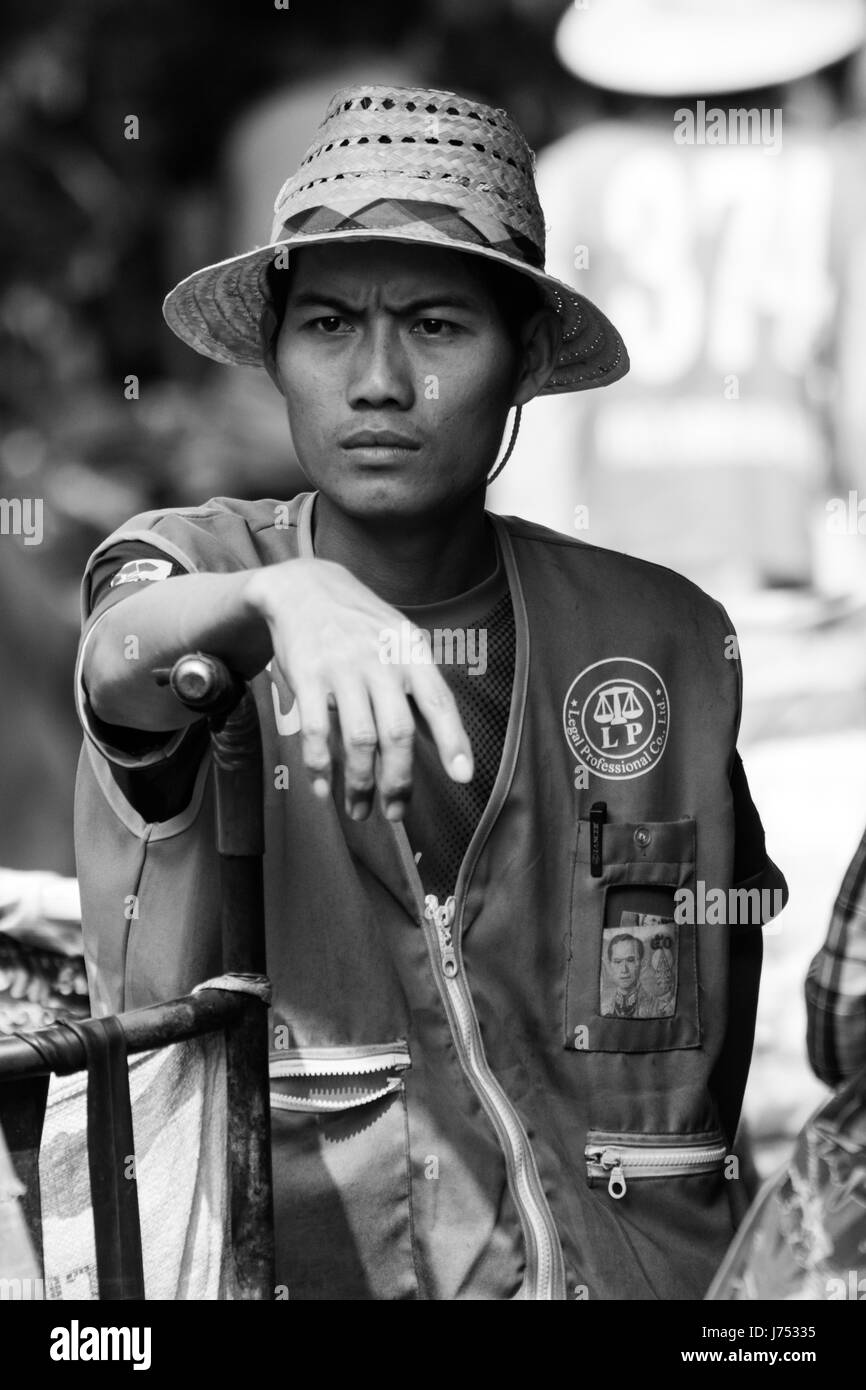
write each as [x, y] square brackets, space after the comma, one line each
[202, 683]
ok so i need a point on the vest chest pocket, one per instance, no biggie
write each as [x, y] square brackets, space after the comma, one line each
[632, 978]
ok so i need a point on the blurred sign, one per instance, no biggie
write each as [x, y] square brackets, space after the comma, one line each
[716, 262]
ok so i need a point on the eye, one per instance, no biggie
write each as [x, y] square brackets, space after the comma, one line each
[437, 328]
[329, 324]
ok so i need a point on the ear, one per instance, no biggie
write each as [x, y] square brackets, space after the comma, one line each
[541, 339]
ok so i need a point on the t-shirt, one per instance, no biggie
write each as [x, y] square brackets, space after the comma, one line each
[478, 628]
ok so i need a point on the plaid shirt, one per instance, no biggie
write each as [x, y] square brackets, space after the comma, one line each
[836, 983]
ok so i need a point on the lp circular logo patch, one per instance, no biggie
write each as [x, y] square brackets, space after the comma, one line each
[616, 717]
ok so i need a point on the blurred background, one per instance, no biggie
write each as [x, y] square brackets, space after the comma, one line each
[140, 141]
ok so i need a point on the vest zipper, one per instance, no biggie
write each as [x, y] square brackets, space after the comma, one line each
[545, 1276]
[442, 917]
[545, 1268]
[616, 1161]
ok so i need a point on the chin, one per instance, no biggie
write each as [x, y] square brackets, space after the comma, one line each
[388, 504]
[387, 495]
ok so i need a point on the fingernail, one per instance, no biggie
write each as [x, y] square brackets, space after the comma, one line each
[394, 810]
[358, 811]
[461, 768]
[320, 786]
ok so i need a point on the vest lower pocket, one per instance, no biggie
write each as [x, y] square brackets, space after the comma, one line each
[621, 1159]
[632, 975]
[325, 1080]
[342, 1185]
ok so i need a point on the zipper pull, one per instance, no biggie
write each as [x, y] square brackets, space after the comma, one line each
[442, 916]
[616, 1183]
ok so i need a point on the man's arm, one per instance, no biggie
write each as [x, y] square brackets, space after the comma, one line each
[836, 983]
[191, 612]
[325, 631]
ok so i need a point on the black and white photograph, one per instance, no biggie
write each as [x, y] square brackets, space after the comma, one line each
[433, 666]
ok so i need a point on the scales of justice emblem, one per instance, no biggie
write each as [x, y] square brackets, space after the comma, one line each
[616, 717]
[618, 705]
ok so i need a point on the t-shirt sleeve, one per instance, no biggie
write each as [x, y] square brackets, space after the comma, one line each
[753, 867]
[154, 769]
[123, 568]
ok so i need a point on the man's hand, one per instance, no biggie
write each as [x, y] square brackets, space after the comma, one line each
[326, 628]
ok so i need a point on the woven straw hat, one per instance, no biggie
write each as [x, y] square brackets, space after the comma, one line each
[700, 47]
[411, 165]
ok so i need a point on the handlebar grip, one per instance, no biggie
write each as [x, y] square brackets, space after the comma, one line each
[205, 684]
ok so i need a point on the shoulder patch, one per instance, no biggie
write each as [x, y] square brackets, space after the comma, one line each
[135, 571]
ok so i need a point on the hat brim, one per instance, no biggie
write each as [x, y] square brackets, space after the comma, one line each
[218, 310]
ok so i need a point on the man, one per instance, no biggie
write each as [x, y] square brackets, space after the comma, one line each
[445, 848]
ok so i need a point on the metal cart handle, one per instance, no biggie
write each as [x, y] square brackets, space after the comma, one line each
[203, 683]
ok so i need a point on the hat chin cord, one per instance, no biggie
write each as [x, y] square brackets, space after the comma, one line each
[508, 452]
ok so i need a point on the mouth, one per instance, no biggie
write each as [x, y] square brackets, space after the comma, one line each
[370, 438]
[379, 446]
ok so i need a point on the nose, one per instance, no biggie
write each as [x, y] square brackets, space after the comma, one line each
[381, 371]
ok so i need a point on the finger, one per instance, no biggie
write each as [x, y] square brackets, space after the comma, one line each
[312, 704]
[439, 708]
[360, 740]
[395, 724]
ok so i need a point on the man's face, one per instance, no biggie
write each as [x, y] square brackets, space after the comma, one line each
[381, 338]
[625, 964]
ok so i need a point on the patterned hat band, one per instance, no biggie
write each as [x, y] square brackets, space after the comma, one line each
[412, 219]
[416, 166]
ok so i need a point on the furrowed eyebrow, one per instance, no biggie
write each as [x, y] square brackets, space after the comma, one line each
[308, 300]
[441, 301]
